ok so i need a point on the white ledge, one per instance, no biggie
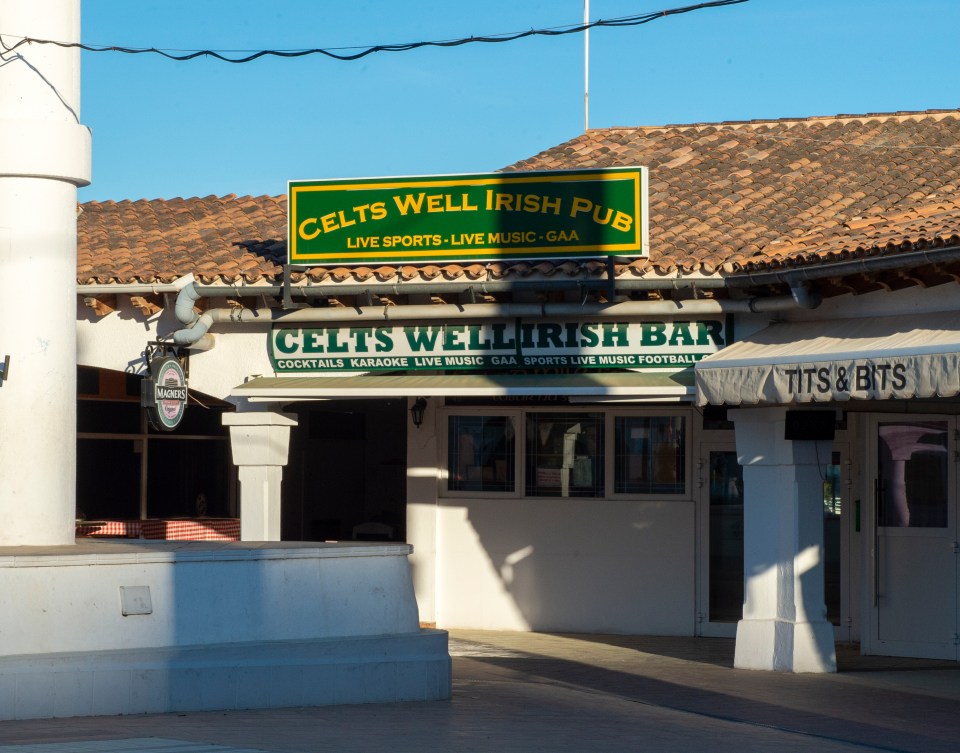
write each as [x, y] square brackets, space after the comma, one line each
[120, 552]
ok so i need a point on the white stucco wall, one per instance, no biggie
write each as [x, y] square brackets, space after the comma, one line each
[548, 564]
[617, 566]
[117, 341]
[910, 300]
[200, 594]
[601, 565]
[567, 565]
[104, 628]
[422, 513]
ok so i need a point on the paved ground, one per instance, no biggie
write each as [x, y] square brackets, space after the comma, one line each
[534, 692]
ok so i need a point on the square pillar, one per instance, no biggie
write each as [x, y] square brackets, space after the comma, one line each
[423, 510]
[784, 625]
[260, 443]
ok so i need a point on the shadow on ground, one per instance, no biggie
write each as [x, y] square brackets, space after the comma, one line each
[696, 675]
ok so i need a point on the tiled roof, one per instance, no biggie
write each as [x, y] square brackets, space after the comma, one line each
[724, 197]
[228, 239]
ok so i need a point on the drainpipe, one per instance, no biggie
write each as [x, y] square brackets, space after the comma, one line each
[801, 296]
[186, 299]
[195, 334]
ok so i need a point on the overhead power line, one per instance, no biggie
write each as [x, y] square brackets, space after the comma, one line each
[635, 20]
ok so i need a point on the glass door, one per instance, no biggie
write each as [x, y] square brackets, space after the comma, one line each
[914, 527]
[839, 528]
[720, 564]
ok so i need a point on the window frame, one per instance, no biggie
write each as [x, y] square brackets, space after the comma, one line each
[611, 448]
[578, 410]
[514, 415]
[518, 416]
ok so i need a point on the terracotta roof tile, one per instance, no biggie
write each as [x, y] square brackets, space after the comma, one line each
[723, 196]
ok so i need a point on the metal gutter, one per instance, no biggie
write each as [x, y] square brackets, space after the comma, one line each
[197, 326]
[843, 268]
[507, 286]
[352, 289]
[136, 288]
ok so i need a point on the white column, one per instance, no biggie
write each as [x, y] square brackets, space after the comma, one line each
[44, 156]
[784, 625]
[422, 508]
[260, 443]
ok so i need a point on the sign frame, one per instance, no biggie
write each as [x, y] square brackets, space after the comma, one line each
[584, 213]
[164, 394]
[500, 345]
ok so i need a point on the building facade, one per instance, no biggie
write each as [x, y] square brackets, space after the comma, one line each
[748, 431]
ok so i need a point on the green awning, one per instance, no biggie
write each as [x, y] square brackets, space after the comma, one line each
[637, 385]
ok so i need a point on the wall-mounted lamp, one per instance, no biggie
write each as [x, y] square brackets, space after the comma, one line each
[5, 369]
[416, 411]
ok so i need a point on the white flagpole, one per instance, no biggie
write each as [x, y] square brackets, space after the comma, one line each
[586, 66]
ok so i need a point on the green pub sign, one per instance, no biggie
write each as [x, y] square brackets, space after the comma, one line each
[466, 218]
[512, 344]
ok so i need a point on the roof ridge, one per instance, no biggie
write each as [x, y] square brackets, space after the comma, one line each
[230, 197]
[900, 116]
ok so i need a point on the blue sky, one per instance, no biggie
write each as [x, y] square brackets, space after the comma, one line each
[163, 129]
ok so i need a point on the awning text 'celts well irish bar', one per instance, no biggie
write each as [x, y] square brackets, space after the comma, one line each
[509, 344]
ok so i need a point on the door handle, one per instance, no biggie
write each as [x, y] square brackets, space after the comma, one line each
[876, 542]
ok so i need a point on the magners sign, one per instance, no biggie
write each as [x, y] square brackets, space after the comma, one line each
[164, 393]
[466, 218]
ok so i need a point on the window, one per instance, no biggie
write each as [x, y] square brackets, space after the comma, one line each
[649, 454]
[543, 452]
[914, 469]
[564, 455]
[481, 453]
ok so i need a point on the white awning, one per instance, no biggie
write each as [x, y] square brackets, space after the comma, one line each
[879, 358]
[620, 385]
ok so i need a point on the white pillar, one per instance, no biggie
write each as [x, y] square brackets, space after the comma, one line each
[784, 625]
[260, 443]
[422, 509]
[44, 156]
